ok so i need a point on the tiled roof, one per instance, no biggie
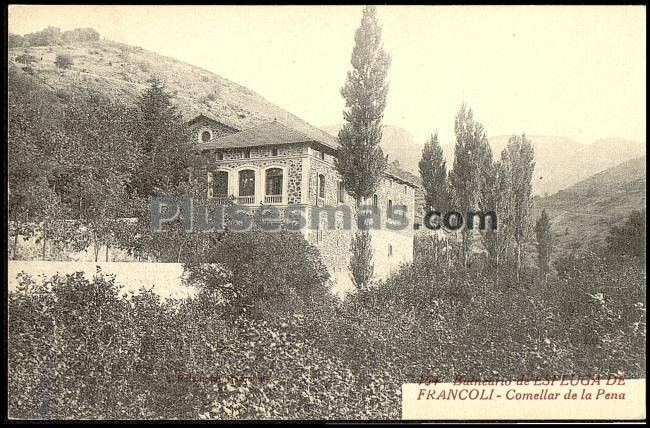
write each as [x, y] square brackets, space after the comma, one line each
[274, 133]
[211, 119]
[268, 134]
[401, 175]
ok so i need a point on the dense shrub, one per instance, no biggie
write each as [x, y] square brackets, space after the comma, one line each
[80, 35]
[277, 268]
[80, 350]
[63, 61]
[26, 59]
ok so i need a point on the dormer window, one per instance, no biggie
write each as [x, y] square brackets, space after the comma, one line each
[205, 136]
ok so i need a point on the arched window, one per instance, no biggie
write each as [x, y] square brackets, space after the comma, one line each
[375, 200]
[247, 182]
[221, 184]
[321, 186]
[274, 181]
[206, 136]
[390, 209]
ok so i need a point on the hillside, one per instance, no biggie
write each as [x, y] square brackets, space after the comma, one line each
[582, 213]
[397, 143]
[560, 162]
[121, 72]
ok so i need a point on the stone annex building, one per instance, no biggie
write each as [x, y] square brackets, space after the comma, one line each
[274, 164]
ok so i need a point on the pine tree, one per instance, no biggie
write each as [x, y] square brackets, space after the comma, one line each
[162, 137]
[544, 238]
[629, 238]
[361, 265]
[433, 171]
[469, 177]
[361, 161]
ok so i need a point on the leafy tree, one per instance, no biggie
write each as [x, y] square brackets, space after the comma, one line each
[629, 238]
[361, 266]
[63, 61]
[249, 268]
[544, 240]
[469, 177]
[520, 163]
[94, 167]
[499, 199]
[433, 171]
[33, 134]
[15, 41]
[361, 161]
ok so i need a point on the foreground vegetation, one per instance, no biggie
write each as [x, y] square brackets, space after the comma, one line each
[269, 341]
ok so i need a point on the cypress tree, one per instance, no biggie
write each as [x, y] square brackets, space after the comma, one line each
[544, 238]
[361, 162]
[433, 170]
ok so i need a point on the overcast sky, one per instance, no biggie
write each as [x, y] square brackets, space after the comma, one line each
[577, 72]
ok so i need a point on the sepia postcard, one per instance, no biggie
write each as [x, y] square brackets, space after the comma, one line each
[338, 213]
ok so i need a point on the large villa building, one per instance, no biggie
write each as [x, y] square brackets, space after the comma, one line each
[277, 165]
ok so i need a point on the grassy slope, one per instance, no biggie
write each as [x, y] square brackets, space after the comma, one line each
[121, 72]
[582, 214]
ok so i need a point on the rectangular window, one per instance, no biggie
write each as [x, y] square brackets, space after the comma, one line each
[219, 156]
[390, 250]
[322, 155]
[341, 193]
[221, 184]
[247, 154]
[274, 152]
[321, 186]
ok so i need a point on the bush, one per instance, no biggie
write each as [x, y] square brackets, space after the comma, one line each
[80, 35]
[78, 349]
[26, 59]
[46, 37]
[63, 61]
[278, 268]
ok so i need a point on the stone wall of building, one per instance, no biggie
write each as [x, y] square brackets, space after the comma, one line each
[391, 247]
[259, 159]
[216, 129]
[303, 165]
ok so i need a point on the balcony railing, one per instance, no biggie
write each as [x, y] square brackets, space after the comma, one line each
[242, 200]
[273, 199]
